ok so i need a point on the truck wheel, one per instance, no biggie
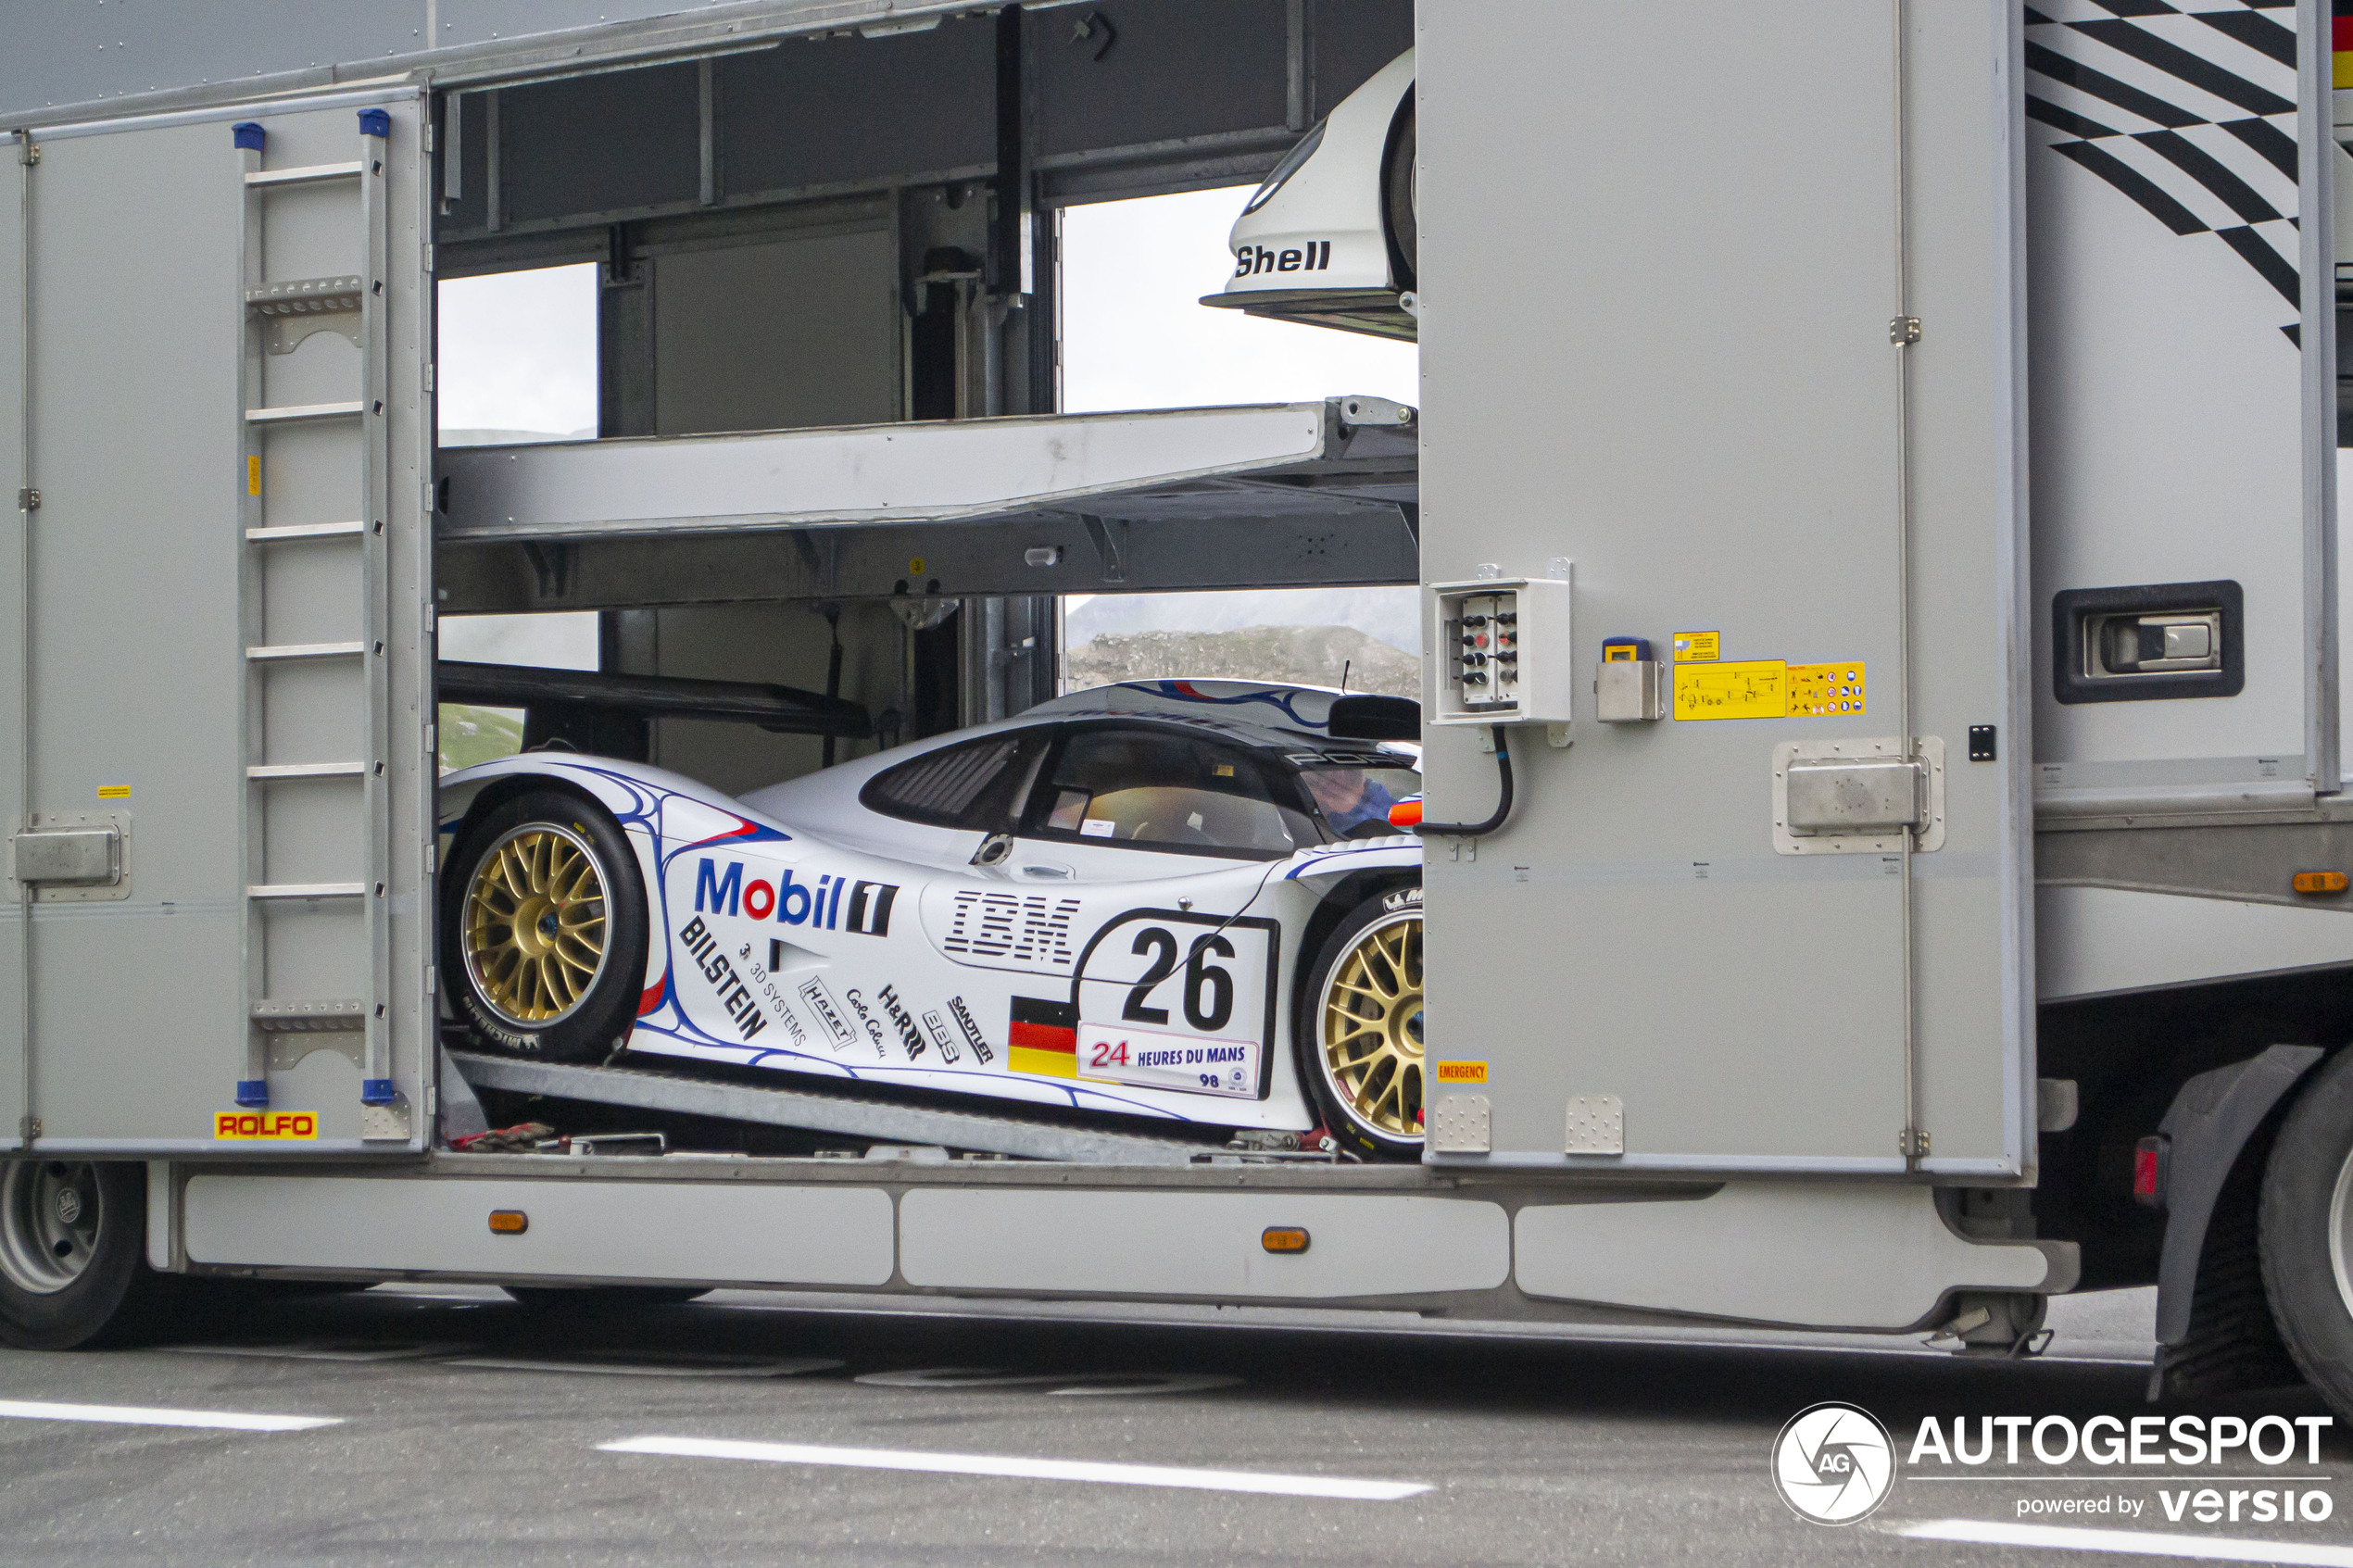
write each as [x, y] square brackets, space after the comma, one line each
[603, 1297]
[543, 927]
[2306, 1232]
[73, 1241]
[1360, 1035]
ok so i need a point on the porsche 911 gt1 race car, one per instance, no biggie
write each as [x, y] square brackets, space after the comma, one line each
[1180, 900]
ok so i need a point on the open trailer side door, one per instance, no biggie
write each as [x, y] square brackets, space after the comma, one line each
[1750, 279]
[219, 325]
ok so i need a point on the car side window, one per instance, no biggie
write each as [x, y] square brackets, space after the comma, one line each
[974, 785]
[1167, 791]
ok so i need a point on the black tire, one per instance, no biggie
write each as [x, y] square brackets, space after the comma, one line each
[98, 1289]
[603, 1297]
[1398, 215]
[1335, 1102]
[2311, 1161]
[591, 1025]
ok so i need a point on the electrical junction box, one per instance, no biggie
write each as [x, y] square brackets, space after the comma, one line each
[1503, 646]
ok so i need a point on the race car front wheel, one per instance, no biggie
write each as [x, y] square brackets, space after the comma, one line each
[543, 928]
[1360, 1042]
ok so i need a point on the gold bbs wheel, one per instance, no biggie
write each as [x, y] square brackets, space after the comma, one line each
[532, 925]
[1369, 1026]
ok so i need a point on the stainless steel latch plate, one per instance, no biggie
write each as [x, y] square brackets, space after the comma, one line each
[1858, 797]
[71, 856]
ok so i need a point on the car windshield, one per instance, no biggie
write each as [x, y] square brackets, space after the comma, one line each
[1170, 792]
[1354, 793]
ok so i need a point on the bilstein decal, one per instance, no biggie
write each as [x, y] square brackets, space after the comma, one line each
[732, 995]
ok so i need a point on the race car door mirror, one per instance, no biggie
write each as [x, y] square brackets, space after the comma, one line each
[993, 848]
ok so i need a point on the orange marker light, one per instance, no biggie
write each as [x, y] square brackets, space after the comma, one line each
[1406, 814]
[509, 1222]
[1284, 1238]
[2320, 882]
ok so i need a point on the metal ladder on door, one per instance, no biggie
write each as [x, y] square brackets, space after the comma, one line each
[298, 696]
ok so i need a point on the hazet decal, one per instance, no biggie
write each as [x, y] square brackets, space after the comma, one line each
[821, 1002]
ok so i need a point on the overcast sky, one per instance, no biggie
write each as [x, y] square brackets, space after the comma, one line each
[518, 356]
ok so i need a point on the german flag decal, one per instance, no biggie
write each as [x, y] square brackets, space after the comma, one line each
[1044, 1038]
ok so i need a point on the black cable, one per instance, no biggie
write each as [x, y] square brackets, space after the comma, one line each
[1502, 797]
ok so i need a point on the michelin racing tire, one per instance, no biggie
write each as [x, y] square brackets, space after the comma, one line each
[73, 1255]
[1359, 1029]
[544, 929]
[2306, 1232]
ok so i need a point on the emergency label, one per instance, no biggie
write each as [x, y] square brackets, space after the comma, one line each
[1148, 1059]
[1462, 1073]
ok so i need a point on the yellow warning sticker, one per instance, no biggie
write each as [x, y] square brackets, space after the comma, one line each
[1816, 690]
[1462, 1073]
[266, 1126]
[1748, 689]
[253, 476]
[113, 792]
[1697, 648]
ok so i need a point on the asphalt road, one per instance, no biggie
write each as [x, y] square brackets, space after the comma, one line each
[468, 1429]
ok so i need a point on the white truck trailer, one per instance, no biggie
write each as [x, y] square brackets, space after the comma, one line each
[1934, 901]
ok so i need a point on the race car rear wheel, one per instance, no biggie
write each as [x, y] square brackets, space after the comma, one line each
[543, 928]
[1361, 1041]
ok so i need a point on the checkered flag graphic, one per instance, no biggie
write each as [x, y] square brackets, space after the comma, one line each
[2188, 110]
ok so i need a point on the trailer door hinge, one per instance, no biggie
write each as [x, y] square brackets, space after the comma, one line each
[27, 151]
[29, 1129]
[1912, 1144]
[1904, 332]
[27, 500]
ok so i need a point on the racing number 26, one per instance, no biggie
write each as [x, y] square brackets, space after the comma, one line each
[1209, 990]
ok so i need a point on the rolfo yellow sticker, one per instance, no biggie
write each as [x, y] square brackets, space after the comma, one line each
[1462, 1073]
[253, 476]
[244, 1126]
[113, 792]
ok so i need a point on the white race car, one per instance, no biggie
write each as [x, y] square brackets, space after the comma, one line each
[1175, 899]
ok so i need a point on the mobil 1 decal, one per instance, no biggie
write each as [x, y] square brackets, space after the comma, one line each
[720, 888]
[1166, 1000]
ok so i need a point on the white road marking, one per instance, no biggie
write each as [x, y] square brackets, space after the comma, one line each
[1026, 1469]
[2140, 1543]
[132, 1416]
